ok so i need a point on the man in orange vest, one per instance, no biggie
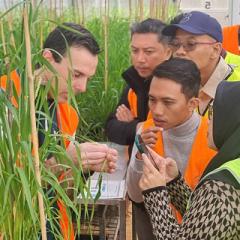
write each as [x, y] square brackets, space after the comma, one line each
[173, 98]
[148, 49]
[71, 50]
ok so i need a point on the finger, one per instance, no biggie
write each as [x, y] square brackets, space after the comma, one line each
[157, 158]
[124, 108]
[153, 129]
[149, 140]
[113, 152]
[151, 145]
[143, 183]
[111, 168]
[148, 163]
[93, 147]
[162, 169]
[120, 116]
[94, 155]
[111, 158]
[92, 163]
[149, 137]
[146, 170]
[155, 155]
[125, 115]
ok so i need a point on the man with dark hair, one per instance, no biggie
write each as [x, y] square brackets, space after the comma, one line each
[148, 49]
[74, 35]
[173, 97]
[71, 52]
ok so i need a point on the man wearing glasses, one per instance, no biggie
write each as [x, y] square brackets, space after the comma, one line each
[198, 37]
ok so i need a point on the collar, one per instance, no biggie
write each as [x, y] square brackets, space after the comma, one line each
[220, 73]
[134, 80]
[186, 128]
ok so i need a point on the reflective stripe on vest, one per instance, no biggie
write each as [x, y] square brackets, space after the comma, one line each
[67, 119]
[232, 166]
[234, 61]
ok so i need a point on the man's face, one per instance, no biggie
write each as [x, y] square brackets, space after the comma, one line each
[147, 52]
[79, 65]
[168, 104]
[203, 54]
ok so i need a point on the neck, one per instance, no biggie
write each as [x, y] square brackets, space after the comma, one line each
[187, 127]
[207, 72]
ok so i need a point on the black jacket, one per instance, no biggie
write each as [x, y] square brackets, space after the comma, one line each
[124, 132]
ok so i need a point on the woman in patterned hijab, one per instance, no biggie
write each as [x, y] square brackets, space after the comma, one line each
[212, 210]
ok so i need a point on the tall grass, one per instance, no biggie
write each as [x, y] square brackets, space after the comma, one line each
[20, 184]
[19, 187]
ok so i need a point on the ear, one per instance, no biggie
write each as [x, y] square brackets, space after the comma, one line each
[217, 48]
[168, 52]
[47, 54]
[193, 103]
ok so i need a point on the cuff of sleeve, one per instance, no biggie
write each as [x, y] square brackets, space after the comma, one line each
[138, 165]
[175, 179]
[158, 188]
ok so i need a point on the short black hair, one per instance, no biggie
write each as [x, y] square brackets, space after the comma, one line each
[150, 25]
[176, 19]
[182, 71]
[68, 35]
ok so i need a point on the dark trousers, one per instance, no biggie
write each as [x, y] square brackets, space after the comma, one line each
[142, 221]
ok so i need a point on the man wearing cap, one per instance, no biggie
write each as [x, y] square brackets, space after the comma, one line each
[230, 49]
[198, 37]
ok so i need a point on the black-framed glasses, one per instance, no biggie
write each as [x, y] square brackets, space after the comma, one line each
[188, 46]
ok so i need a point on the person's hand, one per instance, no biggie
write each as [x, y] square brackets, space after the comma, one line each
[171, 165]
[108, 164]
[124, 114]
[150, 135]
[93, 156]
[152, 177]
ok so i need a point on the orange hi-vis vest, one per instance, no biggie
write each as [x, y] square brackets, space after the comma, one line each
[67, 121]
[132, 100]
[198, 160]
[200, 154]
[230, 39]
